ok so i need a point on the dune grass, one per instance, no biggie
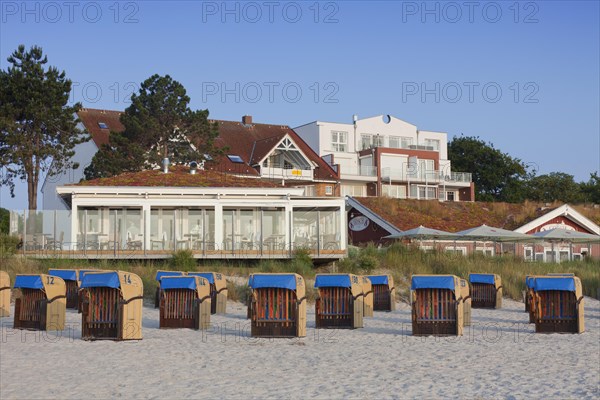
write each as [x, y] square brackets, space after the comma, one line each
[399, 260]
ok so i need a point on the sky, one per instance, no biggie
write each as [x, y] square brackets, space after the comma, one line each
[521, 75]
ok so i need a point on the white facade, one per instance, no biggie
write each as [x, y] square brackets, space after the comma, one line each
[387, 150]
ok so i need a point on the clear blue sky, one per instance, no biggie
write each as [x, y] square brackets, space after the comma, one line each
[367, 58]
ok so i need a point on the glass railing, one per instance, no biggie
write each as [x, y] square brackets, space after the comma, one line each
[406, 174]
[362, 170]
[99, 235]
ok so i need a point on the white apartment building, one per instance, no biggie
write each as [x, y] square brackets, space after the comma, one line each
[386, 156]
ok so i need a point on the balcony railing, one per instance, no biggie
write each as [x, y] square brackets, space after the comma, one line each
[279, 171]
[362, 170]
[408, 174]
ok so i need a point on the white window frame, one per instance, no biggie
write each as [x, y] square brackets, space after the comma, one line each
[405, 142]
[336, 143]
[396, 139]
[329, 190]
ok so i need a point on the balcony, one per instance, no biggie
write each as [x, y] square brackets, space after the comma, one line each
[409, 174]
[284, 172]
[361, 172]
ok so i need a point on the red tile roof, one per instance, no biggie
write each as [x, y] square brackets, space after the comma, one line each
[251, 142]
[179, 176]
[91, 118]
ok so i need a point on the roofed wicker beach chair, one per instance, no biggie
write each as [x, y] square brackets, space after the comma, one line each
[340, 301]
[558, 304]
[486, 290]
[384, 293]
[185, 302]
[278, 305]
[112, 306]
[437, 306]
[40, 302]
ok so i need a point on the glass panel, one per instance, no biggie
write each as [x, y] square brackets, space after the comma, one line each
[305, 230]
[192, 228]
[134, 233]
[273, 230]
[247, 228]
[162, 229]
[329, 230]
[34, 231]
[394, 142]
[62, 230]
[209, 231]
[228, 229]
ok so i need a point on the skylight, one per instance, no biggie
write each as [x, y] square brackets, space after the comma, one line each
[235, 159]
[102, 125]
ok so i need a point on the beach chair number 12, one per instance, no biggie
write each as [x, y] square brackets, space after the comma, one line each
[50, 280]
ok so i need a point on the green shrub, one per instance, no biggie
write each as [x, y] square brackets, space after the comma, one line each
[8, 245]
[183, 260]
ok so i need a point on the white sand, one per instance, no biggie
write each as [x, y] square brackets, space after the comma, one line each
[499, 357]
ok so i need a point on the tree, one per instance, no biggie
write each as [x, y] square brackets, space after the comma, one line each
[38, 130]
[555, 186]
[497, 175]
[158, 124]
[590, 190]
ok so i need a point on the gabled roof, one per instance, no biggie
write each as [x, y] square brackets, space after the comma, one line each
[566, 211]
[92, 118]
[354, 203]
[253, 142]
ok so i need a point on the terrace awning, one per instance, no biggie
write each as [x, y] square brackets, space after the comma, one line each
[563, 235]
[423, 232]
[489, 233]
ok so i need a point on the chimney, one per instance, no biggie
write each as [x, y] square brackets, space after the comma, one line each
[165, 165]
[247, 120]
[193, 167]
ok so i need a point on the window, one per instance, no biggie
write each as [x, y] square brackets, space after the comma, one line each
[339, 141]
[528, 253]
[365, 141]
[450, 196]
[309, 191]
[378, 141]
[423, 192]
[396, 191]
[394, 142]
[235, 159]
[433, 143]
[405, 142]
[102, 125]
[353, 190]
[328, 190]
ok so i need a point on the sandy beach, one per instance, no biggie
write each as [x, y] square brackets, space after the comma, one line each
[498, 357]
